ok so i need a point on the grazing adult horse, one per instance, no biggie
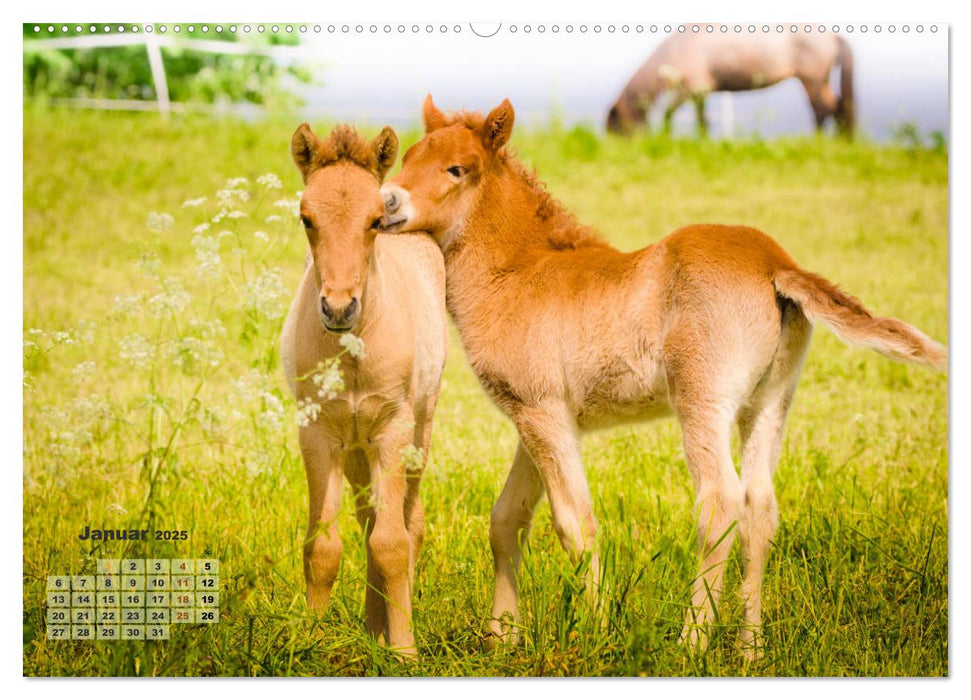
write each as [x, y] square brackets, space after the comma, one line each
[692, 65]
[566, 333]
[390, 291]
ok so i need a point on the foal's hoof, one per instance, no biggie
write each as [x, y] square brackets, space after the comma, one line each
[695, 637]
[501, 637]
[750, 644]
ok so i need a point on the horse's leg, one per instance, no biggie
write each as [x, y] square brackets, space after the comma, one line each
[358, 473]
[414, 512]
[761, 426]
[322, 548]
[761, 429]
[550, 435]
[511, 516]
[821, 99]
[699, 99]
[706, 423]
[389, 544]
[679, 97]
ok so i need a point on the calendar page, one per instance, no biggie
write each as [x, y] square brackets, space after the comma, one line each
[548, 348]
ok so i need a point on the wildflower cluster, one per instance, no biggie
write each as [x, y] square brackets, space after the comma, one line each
[170, 372]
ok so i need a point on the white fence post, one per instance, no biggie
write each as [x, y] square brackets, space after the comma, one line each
[158, 74]
[728, 115]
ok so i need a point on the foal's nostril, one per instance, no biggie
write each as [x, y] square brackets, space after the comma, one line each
[350, 313]
[391, 202]
[326, 310]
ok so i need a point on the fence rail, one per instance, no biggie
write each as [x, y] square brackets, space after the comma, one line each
[154, 44]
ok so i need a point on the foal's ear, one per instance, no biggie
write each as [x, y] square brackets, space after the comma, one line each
[433, 117]
[498, 126]
[303, 148]
[385, 149]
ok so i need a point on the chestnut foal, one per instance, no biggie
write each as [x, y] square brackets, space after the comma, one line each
[566, 333]
[390, 291]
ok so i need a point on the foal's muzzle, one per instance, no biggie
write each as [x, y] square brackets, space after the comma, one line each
[397, 206]
[339, 320]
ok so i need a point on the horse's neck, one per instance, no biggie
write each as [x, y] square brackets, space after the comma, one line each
[375, 297]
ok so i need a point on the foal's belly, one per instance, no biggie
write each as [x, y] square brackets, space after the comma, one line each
[624, 396]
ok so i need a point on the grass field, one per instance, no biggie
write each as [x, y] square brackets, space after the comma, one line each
[153, 397]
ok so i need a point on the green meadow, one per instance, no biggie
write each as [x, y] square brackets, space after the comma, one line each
[153, 398]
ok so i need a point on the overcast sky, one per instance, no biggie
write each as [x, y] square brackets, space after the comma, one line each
[383, 78]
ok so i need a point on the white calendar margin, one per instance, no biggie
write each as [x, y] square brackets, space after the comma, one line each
[495, 10]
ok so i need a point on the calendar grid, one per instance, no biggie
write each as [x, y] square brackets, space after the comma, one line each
[132, 599]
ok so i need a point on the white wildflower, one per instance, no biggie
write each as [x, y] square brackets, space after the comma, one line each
[293, 205]
[172, 299]
[199, 349]
[235, 182]
[271, 416]
[136, 350]
[272, 218]
[85, 331]
[128, 304]
[270, 181]
[150, 264]
[261, 235]
[307, 411]
[263, 295]
[83, 371]
[412, 458]
[201, 228]
[328, 379]
[231, 197]
[160, 223]
[260, 462]
[194, 202]
[207, 254]
[353, 344]
[236, 214]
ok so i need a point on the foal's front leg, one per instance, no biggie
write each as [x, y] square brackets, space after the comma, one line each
[322, 549]
[551, 437]
[389, 544]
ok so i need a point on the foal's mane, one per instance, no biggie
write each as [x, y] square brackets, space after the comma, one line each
[560, 226]
[346, 144]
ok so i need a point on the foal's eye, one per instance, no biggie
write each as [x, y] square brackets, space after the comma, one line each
[456, 171]
[306, 222]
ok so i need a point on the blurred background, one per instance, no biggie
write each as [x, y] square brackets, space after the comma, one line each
[381, 73]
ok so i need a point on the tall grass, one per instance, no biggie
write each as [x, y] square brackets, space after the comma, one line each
[153, 394]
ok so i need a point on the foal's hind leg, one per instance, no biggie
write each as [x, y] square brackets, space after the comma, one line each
[761, 426]
[510, 521]
[718, 498]
[761, 429]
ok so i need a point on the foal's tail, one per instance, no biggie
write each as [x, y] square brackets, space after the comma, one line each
[846, 316]
[845, 113]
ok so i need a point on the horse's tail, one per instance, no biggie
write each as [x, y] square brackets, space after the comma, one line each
[845, 113]
[846, 316]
